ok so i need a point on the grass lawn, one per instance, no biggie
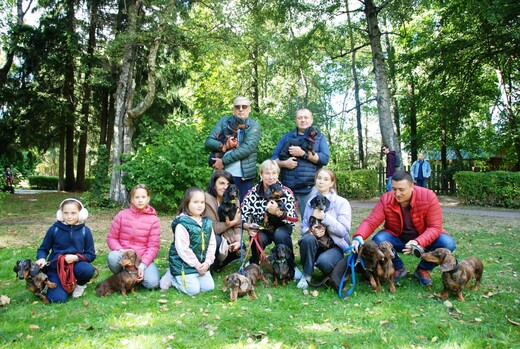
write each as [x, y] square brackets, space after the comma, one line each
[281, 317]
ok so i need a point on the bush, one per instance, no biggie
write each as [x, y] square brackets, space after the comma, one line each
[51, 182]
[497, 189]
[358, 184]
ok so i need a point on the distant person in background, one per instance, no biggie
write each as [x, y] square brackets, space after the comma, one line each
[8, 177]
[421, 171]
[390, 165]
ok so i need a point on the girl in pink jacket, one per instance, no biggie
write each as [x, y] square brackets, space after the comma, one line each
[136, 228]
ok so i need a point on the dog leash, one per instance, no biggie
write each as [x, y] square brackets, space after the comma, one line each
[351, 263]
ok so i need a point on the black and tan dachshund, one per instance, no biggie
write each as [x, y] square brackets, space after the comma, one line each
[35, 279]
[321, 203]
[228, 208]
[228, 138]
[282, 271]
[274, 192]
[306, 143]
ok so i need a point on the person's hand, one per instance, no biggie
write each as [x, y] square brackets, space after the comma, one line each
[318, 214]
[318, 230]
[356, 243]
[71, 258]
[202, 268]
[236, 220]
[218, 165]
[253, 230]
[297, 151]
[234, 246]
[408, 247]
[291, 163]
[41, 262]
[140, 274]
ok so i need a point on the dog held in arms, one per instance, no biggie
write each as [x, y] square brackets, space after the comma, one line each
[456, 276]
[274, 192]
[35, 279]
[319, 202]
[282, 271]
[306, 143]
[228, 138]
[228, 208]
[240, 285]
[125, 280]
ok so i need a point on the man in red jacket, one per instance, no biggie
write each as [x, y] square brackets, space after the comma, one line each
[413, 223]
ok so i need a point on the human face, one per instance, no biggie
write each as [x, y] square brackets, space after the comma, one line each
[402, 191]
[421, 157]
[303, 119]
[324, 182]
[269, 177]
[221, 185]
[242, 108]
[140, 199]
[70, 213]
[197, 204]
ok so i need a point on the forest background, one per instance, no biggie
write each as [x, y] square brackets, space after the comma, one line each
[126, 91]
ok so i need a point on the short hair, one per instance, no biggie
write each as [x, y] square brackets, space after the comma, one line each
[185, 202]
[331, 174]
[384, 146]
[401, 175]
[138, 186]
[300, 109]
[241, 98]
[269, 165]
[213, 179]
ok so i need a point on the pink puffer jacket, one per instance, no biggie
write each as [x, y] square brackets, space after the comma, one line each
[138, 230]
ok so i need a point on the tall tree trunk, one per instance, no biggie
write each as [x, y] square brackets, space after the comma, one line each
[254, 56]
[510, 115]
[359, 125]
[61, 161]
[68, 93]
[383, 93]
[393, 84]
[413, 118]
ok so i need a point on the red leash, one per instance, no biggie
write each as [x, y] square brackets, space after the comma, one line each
[66, 272]
[263, 256]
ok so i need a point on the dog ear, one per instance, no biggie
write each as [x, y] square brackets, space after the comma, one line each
[16, 268]
[449, 262]
[138, 259]
[225, 283]
[35, 269]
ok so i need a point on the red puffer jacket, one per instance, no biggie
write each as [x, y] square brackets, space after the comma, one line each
[425, 211]
[138, 230]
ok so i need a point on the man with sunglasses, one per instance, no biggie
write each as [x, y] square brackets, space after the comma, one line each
[240, 161]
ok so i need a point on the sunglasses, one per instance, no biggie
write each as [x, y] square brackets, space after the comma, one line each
[241, 107]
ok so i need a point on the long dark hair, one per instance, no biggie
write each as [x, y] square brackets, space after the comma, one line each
[185, 202]
[216, 175]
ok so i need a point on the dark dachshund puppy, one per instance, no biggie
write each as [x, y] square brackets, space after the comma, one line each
[240, 285]
[282, 271]
[306, 143]
[125, 280]
[228, 209]
[456, 276]
[321, 203]
[35, 279]
[274, 192]
[371, 255]
[228, 138]
[385, 267]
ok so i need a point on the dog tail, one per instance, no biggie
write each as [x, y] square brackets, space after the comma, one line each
[320, 283]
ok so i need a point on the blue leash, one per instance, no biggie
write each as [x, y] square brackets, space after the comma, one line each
[241, 270]
[351, 263]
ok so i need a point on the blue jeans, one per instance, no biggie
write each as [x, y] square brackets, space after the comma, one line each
[312, 254]
[444, 240]
[303, 199]
[421, 182]
[151, 275]
[243, 186]
[389, 184]
[83, 271]
[281, 235]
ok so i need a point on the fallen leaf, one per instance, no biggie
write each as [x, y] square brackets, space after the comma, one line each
[305, 292]
[448, 304]
[477, 319]
[315, 293]
[162, 301]
[177, 302]
[513, 322]
[434, 339]
[4, 300]
[34, 327]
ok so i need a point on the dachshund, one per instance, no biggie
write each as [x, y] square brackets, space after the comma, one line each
[228, 209]
[385, 268]
[306, 143]
[371, 255]
[35, 279]
[240, 285]
[321, 203]
[282, 271]
[228, 138]
[125, 280]
[456, 276]
[275, 193]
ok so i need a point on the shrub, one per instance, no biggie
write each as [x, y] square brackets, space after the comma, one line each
[357, 184]
[498, 189]
[43, 182]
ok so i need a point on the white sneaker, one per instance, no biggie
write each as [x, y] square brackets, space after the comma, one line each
[166, 280]
[78, 291]
[303, 283]
[297, 274]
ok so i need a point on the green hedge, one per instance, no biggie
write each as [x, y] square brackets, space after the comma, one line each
[51, 182]
[497, 189]
[357, 184]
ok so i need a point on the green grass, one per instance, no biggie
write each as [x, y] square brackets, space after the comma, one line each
[281, 317]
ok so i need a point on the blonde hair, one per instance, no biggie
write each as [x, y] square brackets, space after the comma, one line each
[269, 165]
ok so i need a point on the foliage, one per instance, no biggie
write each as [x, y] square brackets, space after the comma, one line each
[100, 183]
[357, 184]
[497, 189]
[51, 182]
[174, 161]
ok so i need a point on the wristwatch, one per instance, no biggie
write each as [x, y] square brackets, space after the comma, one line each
[305, 156]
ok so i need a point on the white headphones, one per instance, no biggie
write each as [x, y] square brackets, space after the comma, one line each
[83, 213]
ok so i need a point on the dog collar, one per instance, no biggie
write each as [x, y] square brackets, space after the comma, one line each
[456, 268]
[280, 260]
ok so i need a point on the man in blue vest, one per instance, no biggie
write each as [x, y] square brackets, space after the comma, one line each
[299, 170]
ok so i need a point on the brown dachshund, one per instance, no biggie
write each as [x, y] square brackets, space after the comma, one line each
[125, 280]
[241, 285]
[456, 275]
[371, 255]
[385, 267]
[282, 271]
[35, 279]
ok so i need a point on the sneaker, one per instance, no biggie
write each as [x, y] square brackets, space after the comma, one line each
[166, 280]
[423, 276]
[399, 274]
[297, 274]
[78, 291]
[304, 282]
